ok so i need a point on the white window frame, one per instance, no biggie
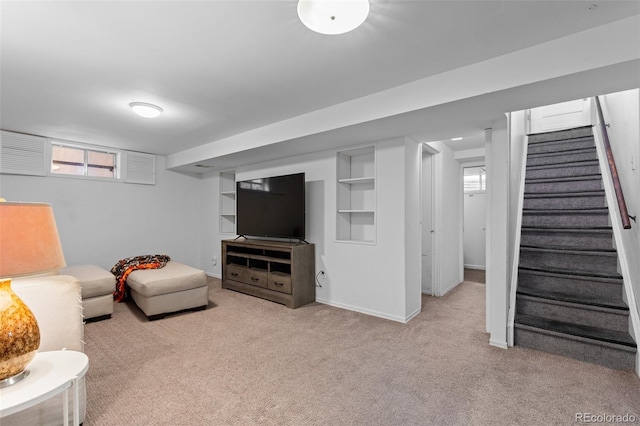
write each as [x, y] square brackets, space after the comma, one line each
[475, 191]
[85, 147]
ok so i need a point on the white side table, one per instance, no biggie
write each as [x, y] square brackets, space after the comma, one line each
[51, 373]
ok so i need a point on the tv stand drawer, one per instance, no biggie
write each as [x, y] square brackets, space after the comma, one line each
[256, 277]
[279, 282]
[237, 273]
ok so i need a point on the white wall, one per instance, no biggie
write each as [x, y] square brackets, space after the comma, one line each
[622, 111]
[368, 278]
[413, 228]
[102, 222]
[210, 225]
[518, 159]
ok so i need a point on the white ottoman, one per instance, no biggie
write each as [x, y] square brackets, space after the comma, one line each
[97, 287]
[176, 287]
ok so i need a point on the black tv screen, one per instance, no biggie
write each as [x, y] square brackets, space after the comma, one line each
[271, 207]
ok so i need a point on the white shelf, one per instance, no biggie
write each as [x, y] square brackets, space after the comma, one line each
[356, 211]
[356, 181]
[356, 196]
[227, 199]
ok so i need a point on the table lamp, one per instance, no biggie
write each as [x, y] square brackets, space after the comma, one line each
[29, 244]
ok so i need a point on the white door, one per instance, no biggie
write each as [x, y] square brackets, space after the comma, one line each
[427, 223]
[474, 230]
[565, 115]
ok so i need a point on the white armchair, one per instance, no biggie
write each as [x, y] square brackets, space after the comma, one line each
[57, 305]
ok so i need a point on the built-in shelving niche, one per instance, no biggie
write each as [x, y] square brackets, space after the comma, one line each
[356, 192]
[227, 205]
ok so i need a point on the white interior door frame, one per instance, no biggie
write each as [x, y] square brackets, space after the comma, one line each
[463, 165]
[436, 217]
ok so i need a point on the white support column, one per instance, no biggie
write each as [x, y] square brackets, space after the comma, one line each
[497, 287]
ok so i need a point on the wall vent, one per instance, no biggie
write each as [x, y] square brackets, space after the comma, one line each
[139, 167]
[22, 154]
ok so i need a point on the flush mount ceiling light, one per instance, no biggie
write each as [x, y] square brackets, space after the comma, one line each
[333, 16]
[146, 110]
[456, 139]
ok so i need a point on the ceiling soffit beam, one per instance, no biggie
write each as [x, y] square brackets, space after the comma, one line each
[439, 121]
[614, 43]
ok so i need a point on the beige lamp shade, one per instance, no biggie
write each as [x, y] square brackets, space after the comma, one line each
[29, 241]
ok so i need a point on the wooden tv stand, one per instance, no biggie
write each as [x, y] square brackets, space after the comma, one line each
[281, 272]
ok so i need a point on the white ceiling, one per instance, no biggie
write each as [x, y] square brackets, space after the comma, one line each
[69, 69]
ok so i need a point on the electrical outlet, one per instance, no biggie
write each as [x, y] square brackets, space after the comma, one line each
[214, 260]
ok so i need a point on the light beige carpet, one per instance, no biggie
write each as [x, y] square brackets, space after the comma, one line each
[247, 361]
[475, 275]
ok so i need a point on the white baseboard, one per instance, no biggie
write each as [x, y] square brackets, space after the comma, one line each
[367, 311]
[213, 275]
[479, 267]
[498, 343]
[451, 287]
[412, 315]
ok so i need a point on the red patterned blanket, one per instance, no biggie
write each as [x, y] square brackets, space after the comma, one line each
[124, 267]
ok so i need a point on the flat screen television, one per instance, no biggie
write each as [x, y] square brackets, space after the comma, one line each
[271, 207]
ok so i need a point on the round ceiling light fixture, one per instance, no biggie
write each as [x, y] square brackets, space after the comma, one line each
[333, 16]
[145, 110]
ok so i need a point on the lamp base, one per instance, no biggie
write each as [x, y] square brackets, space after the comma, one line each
[14, 379]
[19, 333]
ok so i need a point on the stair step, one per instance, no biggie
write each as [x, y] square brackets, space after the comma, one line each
[577, 230]
[612, 349]
[570, 194]
[577, 164]
[557, 185]
[565, 200]
[594, 193]
[558, 135]
[594, 176]
[593, 238]
[571, 273]
[561, 145]
[575, 258]
[590, 149]
[575, 310]
[556, 158]
[615, 305]
[578, 284]
[574, 250]
[565, 217]
[579, 168]
[595, 333]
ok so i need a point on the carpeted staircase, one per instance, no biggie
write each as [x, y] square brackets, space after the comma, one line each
[569, 298]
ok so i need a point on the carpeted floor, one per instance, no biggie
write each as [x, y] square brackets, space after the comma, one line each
[246, 361]
[475, 276]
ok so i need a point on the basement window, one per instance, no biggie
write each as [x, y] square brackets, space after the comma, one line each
[475, 179]
[76, 160]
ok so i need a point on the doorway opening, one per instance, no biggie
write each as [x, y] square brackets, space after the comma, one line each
[474, 178]
[428, 221]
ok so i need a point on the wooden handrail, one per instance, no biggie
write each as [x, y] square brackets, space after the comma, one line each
[624, 214]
